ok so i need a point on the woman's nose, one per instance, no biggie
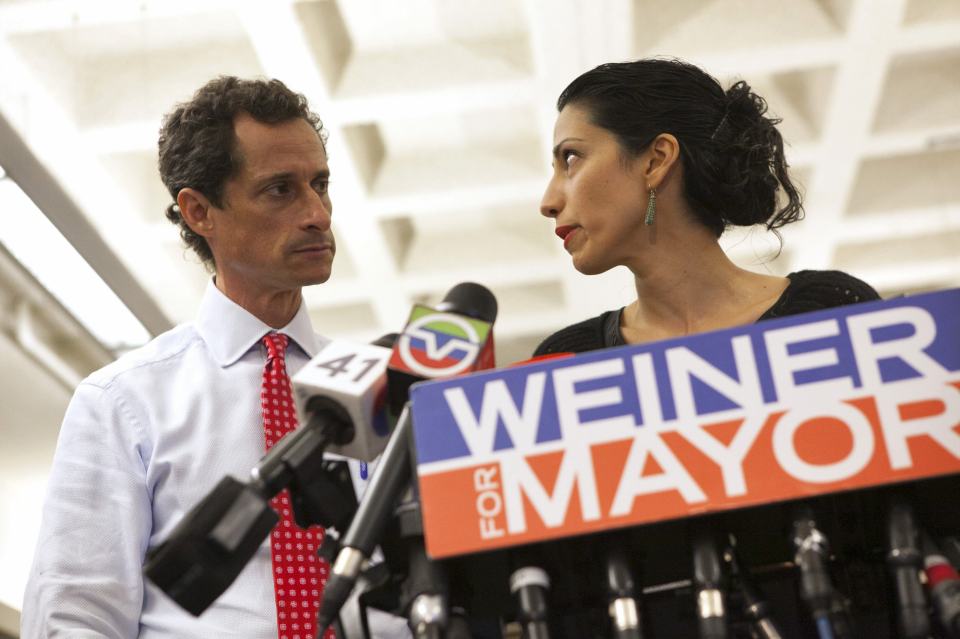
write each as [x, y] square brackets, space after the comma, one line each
[551, 204]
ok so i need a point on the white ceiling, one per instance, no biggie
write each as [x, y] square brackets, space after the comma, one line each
[440, 115]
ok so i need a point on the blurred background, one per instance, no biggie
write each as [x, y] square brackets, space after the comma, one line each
[440, 116]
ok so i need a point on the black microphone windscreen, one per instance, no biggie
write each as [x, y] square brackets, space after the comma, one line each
[470, 299]
[211, 545]
[386, 341]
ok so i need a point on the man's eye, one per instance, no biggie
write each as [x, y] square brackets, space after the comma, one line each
[280, 188]
[321, 186]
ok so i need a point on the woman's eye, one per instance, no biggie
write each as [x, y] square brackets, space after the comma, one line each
[569, 157]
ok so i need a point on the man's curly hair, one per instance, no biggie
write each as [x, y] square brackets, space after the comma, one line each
[198, 146]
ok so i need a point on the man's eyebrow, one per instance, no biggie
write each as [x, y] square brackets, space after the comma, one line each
[286, 175]
[556, 149]
[269, 177]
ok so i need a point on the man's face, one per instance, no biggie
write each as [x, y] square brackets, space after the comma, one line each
[272, 233]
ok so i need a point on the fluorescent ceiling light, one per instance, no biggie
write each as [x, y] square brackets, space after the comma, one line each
[37, 244]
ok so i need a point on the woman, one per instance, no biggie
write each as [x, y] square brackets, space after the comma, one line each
[652, 162]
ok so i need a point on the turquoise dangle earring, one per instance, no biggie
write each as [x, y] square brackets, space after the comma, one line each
[651, 208]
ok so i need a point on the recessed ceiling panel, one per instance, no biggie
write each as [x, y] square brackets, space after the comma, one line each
[115, 73]
[931, 11]
[469, 150]
[921, 91]
[686, 27]
[907, 182]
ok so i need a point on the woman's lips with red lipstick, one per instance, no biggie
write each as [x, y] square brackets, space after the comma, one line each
[565, 233]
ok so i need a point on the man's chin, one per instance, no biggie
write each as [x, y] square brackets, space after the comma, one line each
[316, 278]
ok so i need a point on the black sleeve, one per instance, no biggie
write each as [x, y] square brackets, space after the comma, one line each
[817, 290]
[577, 338]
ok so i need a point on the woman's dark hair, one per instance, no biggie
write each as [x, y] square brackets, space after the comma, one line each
[198, 145]
[732, 154]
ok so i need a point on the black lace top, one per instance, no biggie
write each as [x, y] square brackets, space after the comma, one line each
[807, 291]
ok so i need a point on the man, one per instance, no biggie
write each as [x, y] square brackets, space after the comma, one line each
[145, 438]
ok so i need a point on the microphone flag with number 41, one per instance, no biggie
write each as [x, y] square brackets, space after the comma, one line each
[354, 376]
[833, 400]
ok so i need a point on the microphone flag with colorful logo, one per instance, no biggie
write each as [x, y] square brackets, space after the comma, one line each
[438, 344]
[828, 401]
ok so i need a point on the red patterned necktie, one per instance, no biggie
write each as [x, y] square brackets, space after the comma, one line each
[298, 574]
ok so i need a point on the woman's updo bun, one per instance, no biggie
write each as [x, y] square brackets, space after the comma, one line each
[732, 153]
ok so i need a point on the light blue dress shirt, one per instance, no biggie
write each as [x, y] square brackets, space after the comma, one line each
[143, 440]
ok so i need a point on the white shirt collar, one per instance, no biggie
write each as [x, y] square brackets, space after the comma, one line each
[230, 330]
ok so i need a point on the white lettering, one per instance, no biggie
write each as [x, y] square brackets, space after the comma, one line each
[909, 349]
[684, 365]
[646, 443]
[483, 478]
[939, 427]
[496, 405]
[646, 381]
[855, 461]
[728, 458]
[570, 402]
[576, 467]
[489, 503]
[489, 530]
[783, 365]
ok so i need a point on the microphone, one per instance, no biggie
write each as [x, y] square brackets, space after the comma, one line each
[624, 612]
[352, 376]
[455, 338]
[211, 544]
[218, 537]
[812, 552]
[429, 615]
[906, 562]
[755, 607]
[707, 581]
[943, 582]
[951, 549]
[530, 585]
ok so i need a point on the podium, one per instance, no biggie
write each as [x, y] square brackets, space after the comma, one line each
[646, 448]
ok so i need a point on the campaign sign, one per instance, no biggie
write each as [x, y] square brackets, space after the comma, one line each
[834, 400]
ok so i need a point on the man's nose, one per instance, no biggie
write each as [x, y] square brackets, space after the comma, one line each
[319, 211]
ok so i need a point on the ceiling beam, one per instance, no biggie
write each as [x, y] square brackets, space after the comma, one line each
[46, 192]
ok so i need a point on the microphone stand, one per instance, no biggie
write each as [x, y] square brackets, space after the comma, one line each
[373, 514]
[530, 585]
[755, 607]
[624, 612]
[707, 580]
[424, 593]
[906, 563]
[816, 588]
[428, 614]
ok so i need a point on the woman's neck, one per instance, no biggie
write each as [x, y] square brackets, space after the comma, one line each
[695, 290]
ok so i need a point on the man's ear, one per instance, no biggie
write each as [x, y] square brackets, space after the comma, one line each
[195, 210]
[662, 156]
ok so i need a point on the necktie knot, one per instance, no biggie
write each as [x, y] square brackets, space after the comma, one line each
[276, 344]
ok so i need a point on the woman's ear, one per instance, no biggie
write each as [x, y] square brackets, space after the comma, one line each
[195, 211]
[660, 158]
